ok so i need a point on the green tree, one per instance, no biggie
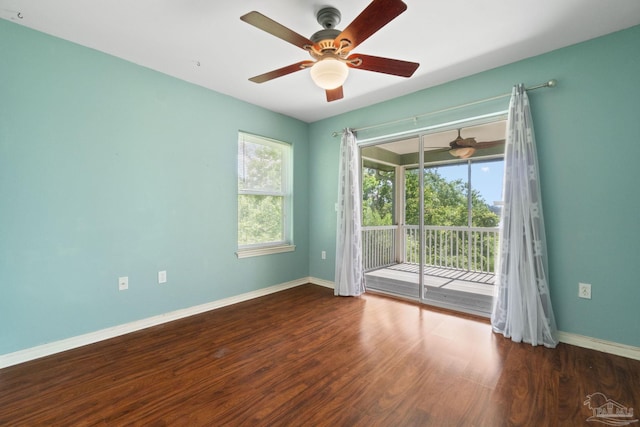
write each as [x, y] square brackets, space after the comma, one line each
[260, 219]
[377, 197]
[445, 202]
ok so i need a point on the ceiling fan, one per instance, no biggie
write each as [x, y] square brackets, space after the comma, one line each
[466, 147]
[331, 48]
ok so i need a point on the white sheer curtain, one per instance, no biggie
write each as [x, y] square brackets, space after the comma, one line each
[349, 273]
[522, 308]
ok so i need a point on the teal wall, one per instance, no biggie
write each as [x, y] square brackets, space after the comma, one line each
[109, 169]
[588, 135]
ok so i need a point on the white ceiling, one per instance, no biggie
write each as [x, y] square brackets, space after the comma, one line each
[205, 42]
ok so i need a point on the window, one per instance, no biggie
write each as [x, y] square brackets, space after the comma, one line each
[460, 225]
[264, 196]
[447, 199]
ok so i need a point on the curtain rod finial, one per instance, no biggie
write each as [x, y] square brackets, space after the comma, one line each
[552, 83]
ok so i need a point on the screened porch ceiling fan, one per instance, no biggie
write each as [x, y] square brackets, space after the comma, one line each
[331, 48]
[466, 147]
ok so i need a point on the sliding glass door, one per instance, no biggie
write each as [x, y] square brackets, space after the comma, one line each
[460, 233]
[430, 218]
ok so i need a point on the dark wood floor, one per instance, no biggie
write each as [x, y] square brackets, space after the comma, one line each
[305, 357]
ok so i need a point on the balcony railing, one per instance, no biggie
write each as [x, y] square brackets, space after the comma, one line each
[467, 248]
[378, 246]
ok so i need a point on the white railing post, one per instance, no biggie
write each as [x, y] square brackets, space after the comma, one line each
[378, 246]
[444, 246]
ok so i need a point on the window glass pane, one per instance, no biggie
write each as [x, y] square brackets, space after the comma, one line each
[260, 219]
[377, 196]
[260, 167]
[445, 195]
[411, 197]
[264, 192]
[486, 194]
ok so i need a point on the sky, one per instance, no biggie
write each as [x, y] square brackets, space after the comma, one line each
[486, 177]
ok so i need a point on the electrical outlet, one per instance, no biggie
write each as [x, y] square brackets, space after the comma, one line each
[584, 290]
[123, 283]
[162, 277]
[324, 255]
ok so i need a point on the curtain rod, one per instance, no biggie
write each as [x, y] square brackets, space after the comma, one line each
[549, 83]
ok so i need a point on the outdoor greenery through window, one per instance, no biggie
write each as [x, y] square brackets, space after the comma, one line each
[458, 214]
[264, 193]
[446, 196]
[461, 211]
[378, 196]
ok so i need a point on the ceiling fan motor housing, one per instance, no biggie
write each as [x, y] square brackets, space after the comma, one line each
[328, 17]
[324, 35]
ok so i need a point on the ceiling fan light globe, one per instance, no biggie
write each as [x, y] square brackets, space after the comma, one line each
[329, 73]
[462, 152]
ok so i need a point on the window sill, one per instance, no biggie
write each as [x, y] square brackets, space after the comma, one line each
[246, 253]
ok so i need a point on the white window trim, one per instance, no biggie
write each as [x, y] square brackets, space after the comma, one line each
[273, 247]
[266, 250]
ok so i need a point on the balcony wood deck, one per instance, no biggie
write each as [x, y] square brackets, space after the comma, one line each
[446, 287]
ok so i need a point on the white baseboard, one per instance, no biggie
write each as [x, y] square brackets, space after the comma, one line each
[322, 282]
[43, 350]
[37, 352]
[610, 347]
